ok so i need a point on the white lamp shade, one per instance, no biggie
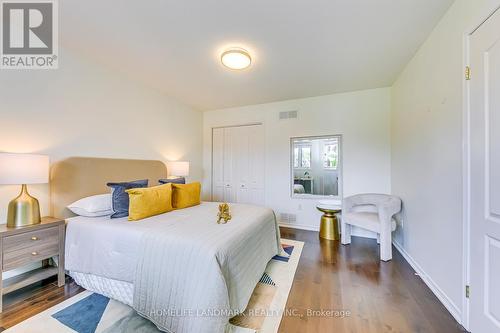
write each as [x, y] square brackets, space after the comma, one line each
[18, 169]
[178, 168]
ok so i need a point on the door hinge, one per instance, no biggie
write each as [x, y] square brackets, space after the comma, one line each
[467, 291]
[467, 73]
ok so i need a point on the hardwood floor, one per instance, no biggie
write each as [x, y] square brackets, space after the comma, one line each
[27, 302]
[377, 296]
[381, 297]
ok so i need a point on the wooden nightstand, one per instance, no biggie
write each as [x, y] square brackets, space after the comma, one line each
[25, 245]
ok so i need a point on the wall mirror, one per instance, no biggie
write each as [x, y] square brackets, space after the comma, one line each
[316, 166]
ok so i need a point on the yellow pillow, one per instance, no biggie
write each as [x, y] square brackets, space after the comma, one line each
[186, 195]
[146, 202]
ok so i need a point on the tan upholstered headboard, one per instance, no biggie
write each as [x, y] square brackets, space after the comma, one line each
[78, 177]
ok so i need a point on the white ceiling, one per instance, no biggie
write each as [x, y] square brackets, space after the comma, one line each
[300, 48]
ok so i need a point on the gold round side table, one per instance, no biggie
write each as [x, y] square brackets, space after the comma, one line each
[329, 228]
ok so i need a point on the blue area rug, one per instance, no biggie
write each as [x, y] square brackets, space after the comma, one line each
[85, 315]
[288, 249]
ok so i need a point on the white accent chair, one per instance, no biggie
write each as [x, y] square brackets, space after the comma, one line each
[372, 212]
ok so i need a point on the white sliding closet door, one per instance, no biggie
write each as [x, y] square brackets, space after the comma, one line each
[256, 152]
[229, 152]
[238, 164]
[218, 185]
[241, 160]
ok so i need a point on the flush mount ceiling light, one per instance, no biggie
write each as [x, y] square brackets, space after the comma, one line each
[236, 58]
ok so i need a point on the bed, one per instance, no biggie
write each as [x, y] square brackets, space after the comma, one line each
[181, 270]
[299, 189]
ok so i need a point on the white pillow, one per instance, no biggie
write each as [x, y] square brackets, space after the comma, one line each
[93, 206]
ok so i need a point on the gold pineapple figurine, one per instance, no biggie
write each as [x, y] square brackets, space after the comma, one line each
[224, 213]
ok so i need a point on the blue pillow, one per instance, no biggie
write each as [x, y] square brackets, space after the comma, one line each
[180, 180]
[119, 198]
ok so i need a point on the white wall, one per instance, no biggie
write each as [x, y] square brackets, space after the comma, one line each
[363, 118]
[427, 153]
[83, 109]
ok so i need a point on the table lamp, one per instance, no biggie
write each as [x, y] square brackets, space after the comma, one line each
[178, 169]
[23, 169]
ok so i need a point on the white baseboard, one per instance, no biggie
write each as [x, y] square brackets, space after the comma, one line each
[356, 232]
[440, 294]
[299, 226]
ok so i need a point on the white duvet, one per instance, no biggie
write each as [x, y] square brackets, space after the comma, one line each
[179, 261]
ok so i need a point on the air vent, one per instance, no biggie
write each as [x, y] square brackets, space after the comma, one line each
[287, 218]
[288, 115]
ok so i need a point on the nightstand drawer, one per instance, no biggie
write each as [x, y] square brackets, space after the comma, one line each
[30, 239]
[36, 252]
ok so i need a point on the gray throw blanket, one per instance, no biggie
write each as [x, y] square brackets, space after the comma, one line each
[193, 274]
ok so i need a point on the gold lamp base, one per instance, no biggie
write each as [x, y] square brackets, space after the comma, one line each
[23, 210]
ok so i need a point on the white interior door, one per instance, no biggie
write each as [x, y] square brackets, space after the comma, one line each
[485, 178]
